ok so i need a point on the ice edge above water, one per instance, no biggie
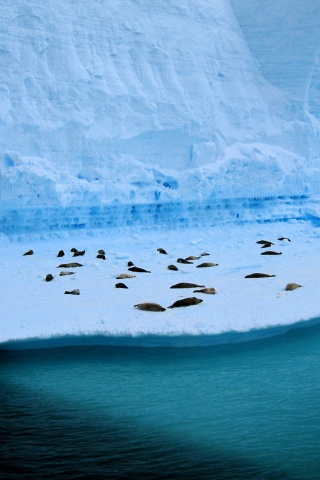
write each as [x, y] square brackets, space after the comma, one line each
[160, 341]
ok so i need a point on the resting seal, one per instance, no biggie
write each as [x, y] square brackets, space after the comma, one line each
[267, 245]
[29, 252]
[125, 275]
[79, 253]
[185, 302]
[263, 242]
[150, 307]
[186, 285]
[161, 250]
[49, 277]
[292, 286]
[258, 275]
[138, 269]
[207, 264]
[172, 267]
[62, 274]
[121, 285]
[70, 265]
[209, 290]
[76, 291]
[182, 260]
[60, 253]
[271, 252]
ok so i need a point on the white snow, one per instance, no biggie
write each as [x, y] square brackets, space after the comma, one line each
[32, 308]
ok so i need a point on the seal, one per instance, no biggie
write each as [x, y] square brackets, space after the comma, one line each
[258, 275]
[186, 285]
[125, 275]
[267, 245]
[70, 265]
[207, 264]
[204, 254]
[172, 267]
[271, 252]
[130, 264]
[292, 286]
[162, 250]
[49, 277]
[62, 274]
[186, 302]
[101, 255]
[29, 252]
[150, 307]
[209, 290]
[73, 250]
[60, 253]
[192, 257]
[101, 252]
[284, 238]
[76, 291]
[121, 285]
[79, 253]
[138, 269]
[182, 260]
[263, 242]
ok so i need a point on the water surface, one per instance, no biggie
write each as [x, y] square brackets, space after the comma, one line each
[238, 411]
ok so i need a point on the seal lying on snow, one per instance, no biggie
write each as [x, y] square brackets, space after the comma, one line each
[292, 286]
[271, 252]
[121, 285]
[209, 290]
[258, 275]
[138, 269]
[125, 275]
[150, 307]
[207, 264]
[70, 265]
[76, 291]
[185, 302]
[186, 285]
[162, 250]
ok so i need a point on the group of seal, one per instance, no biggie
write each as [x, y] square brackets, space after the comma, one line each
[184, 302]
[267, 244]
[76, 253]
[188, 301]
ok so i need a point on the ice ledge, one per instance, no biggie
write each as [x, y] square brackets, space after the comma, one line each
[154, 341]
[152, 215]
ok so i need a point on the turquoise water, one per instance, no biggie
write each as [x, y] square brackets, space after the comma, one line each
[238, 411]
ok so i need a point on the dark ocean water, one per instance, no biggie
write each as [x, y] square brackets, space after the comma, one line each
[238, 411]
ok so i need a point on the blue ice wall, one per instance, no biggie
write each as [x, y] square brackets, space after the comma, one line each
[136, 103]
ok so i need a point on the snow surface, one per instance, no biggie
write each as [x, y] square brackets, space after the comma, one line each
[32, 308]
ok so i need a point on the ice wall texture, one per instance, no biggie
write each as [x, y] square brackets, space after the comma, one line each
[154, 101]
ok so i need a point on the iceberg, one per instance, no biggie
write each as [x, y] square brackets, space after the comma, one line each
[143, 121]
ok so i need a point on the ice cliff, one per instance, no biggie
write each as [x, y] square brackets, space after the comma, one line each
[107, 106]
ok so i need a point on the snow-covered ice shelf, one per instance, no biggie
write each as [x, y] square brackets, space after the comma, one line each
[32, 308]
